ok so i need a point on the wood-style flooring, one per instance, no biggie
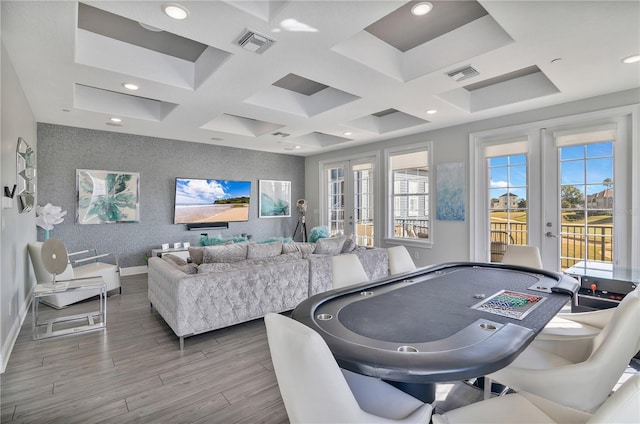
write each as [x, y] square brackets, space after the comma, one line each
[134, 372]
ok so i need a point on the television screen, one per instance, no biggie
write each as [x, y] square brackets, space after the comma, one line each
[206, 201]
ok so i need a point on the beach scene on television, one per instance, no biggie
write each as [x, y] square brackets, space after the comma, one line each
[200, 201]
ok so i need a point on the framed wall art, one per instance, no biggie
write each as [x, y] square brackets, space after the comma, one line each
[275, 199]
[450, 193]
[107, 197]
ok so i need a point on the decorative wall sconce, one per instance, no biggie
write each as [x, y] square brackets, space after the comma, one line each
[26, 169]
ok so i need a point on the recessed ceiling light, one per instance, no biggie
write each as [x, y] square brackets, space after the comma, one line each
[175, 11]
[631, 59]
[297, 147]
[432, 111]
[421, 8]
[347, 133]
[115, 119]
[130, 86]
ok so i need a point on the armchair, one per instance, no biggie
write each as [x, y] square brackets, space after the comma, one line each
[82, 264]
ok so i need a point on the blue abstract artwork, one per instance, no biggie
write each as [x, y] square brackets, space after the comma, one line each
[450, 192]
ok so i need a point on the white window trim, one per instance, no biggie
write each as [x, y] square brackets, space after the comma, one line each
[388, 200]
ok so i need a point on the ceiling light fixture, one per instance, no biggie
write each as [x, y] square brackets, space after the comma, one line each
[297, 147]
[130, 86]
[421, 8]
[631, 59]
[347, 133]
[175, 11]
[115, 119]
[432, 111]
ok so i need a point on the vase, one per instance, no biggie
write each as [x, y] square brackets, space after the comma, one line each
[46, 235]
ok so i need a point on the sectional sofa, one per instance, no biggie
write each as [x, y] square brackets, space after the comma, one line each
[226, 285]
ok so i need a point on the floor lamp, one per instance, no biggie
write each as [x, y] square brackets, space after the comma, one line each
[302, 220]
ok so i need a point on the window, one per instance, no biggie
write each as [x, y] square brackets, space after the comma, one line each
[409, 194]
[508, 202]
[587, 195]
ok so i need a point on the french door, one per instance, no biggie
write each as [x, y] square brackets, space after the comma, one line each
[590, 170]
[560, 187]
[349, 198]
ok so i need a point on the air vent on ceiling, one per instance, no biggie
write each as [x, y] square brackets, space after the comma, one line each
[463, 73]
[254, 42]
[281, 134]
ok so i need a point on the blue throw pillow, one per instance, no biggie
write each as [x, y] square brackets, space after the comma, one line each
[318, 233]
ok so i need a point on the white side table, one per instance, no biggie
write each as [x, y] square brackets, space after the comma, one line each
[90, 321]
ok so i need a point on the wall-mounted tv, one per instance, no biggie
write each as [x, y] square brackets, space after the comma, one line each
[208, 201]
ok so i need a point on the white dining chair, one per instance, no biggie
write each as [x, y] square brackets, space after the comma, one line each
[315, 390]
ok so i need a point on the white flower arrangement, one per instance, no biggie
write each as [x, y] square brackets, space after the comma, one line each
[47, 216]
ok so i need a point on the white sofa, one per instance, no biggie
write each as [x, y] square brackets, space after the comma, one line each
[230, 284]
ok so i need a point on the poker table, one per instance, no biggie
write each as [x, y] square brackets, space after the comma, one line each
[448, 322]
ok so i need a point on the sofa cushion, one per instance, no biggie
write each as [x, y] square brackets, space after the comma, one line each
[180, 263]
[225, 253]
[207, 268]
[330, 246]
[266, 250]
[304, 248]
[285, 257]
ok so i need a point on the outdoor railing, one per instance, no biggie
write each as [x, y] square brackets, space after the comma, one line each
[575, 245]
[411, 228]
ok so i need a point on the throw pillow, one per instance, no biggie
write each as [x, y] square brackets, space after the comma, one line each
[318, 233]
[305, 248]
[180, 263]
[177, 260]
[225, 253]
[289, 248]
[330, 246]
[349, 244]
[266, 250]
[196, 254]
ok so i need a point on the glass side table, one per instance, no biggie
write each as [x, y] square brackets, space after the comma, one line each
[86, 322]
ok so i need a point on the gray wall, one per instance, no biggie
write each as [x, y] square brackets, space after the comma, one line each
[16, 229]
[62, 150]
[452, 239]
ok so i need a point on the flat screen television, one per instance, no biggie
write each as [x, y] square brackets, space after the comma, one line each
[208, 201]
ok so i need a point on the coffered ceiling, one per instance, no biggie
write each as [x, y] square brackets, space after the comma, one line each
[312, 75]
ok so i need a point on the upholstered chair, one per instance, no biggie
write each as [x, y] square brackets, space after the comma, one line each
[623, 406]
[347, 270]
[85, 267]
[315, 390]
[578, 372]
[400, 260]
[522, 255]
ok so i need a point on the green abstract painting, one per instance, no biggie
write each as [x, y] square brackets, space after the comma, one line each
[107, 197]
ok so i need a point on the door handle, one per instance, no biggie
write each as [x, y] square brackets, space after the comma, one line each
[551, 235]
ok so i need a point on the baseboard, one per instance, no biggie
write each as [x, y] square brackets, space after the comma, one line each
[133, 270]
[7, 347]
